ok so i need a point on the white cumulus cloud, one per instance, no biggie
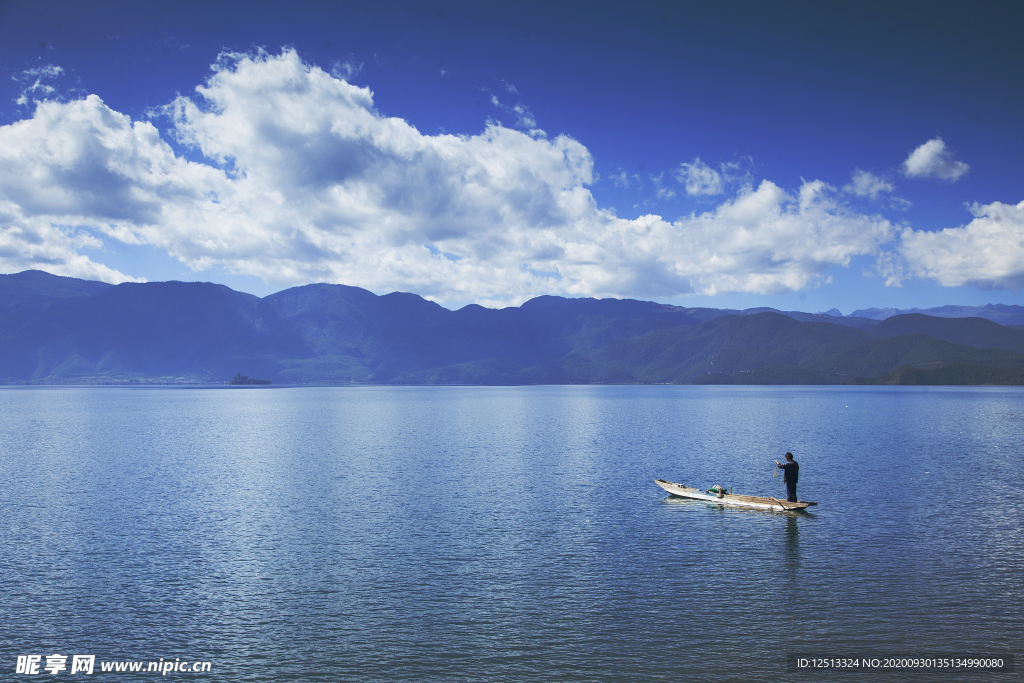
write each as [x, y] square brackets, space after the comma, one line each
[699, 179]
[934, 160]
[768, 241]
[77, 170]
[303, 180]
[988, 252]
[865, 184]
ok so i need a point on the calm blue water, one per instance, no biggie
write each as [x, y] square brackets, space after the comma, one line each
[508, 534]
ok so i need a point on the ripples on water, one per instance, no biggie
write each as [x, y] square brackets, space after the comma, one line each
[508, 534]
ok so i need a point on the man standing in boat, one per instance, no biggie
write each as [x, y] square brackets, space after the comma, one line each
[790, 474]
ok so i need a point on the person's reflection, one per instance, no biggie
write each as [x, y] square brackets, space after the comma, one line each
[792, 541]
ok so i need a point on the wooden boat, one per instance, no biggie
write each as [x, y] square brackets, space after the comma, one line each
[723, 498]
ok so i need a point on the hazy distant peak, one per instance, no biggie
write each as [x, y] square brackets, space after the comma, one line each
[999, 313]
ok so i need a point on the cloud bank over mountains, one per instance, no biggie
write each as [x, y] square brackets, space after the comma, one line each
[292, 175]
[987, 253]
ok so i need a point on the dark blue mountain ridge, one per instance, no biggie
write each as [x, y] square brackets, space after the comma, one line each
[979, 332]
[31, 283]
[731, 344]
[705, 314]
[153, 329]
[31, 290]
[62, 330]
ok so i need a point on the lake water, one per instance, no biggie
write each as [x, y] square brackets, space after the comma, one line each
[508, 534]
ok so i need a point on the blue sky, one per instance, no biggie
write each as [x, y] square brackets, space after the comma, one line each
[802, 156]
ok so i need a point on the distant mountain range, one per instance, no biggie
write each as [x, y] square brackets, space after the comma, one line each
[57, 330]
[999, 313]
